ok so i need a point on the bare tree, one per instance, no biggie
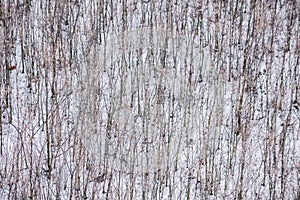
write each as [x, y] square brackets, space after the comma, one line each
[149, 99]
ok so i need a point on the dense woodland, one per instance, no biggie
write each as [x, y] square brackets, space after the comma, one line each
[149, 99]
